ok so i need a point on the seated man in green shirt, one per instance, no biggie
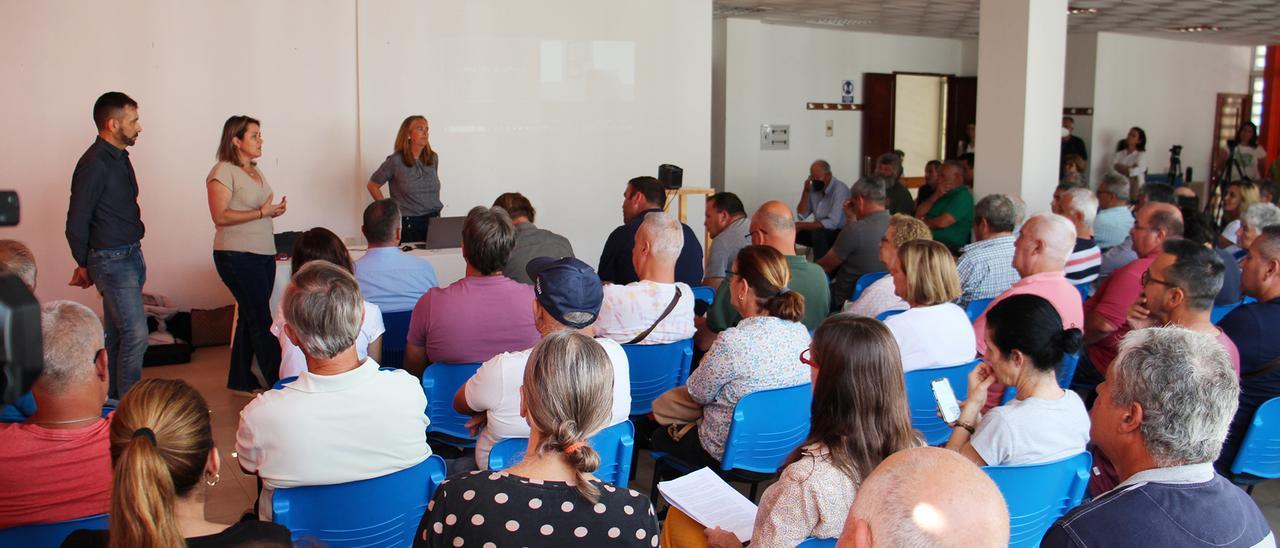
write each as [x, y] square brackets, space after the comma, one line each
[949, 211]
[773, 225]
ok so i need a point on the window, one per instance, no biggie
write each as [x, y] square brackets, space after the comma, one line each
[1255, 84]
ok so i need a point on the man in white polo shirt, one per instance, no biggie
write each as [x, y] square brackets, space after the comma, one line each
[342, 419]
[567, 295]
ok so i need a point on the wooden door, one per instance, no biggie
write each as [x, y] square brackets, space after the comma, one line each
[877, 118]
[962, 109]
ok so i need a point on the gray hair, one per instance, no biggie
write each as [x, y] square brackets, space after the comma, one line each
[1115, 183]
[17, 258]
[1187, 389]
[665, 235]
[1019, 210]
[1084, 202]
[488, 236]
[72, 337]
[873, 189]
[1258, 216]
[825, 165]
[891, 158]
[998, 211]
[323, 307]
[1196, 270]
[1058, 234]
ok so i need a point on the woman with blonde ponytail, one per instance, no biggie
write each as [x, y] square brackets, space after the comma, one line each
[760, 353]
[550, 498]
[165, 462]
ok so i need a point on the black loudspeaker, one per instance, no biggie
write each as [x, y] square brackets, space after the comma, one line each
[671, 176]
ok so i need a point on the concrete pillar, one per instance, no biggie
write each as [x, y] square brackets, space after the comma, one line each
[1021, 61]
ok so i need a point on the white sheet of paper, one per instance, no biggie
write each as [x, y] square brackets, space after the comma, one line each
[709, 500]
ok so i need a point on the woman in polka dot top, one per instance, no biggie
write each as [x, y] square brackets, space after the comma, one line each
[550, 498]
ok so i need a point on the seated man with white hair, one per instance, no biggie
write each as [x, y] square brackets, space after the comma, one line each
[17, 258]
[986, 265]
[657, 309]
[341, 420]
[1081, 207]
[1160, 418]
[927, 497]
[567, 296]
[56, 466]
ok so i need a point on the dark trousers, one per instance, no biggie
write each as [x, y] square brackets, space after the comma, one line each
[414, 228]
[820, 240]
[688, 448]
[250, 277]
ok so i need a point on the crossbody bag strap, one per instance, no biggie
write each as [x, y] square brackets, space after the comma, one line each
[670, 306]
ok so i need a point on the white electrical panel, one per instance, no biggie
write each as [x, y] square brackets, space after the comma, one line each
[775, 137]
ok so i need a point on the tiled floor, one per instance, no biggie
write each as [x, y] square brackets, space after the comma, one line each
[234, 494]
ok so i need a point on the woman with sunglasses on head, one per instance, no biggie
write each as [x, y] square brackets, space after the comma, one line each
[165, 465]
[760, 353]
[413, 173]
[1044, 422]
[859, 417]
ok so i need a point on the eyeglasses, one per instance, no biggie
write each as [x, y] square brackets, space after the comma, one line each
[806, 358]
[730, 273]
[1147, 278]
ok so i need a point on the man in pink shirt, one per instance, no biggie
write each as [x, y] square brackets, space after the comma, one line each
[56, 466]
[1106, 312]
[483, 314]
[1179, 288]
[1040, 257]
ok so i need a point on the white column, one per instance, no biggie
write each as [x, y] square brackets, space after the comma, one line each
[1021, 60]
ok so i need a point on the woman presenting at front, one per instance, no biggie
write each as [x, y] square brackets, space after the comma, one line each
[244, 248]
[413, 171]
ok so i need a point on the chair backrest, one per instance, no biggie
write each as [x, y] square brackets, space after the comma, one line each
[382, 511]
[1085, 290]
[616, 444]
[49, 534]
[976, 308]
[924, 409]
[812, 542]
[886, 315]
[396, 325]
[766, 427]
[1067, 369]
[1259, 454]
[704, 293]
[1220, 311]
[655, 369]
[864, 281]
[440, 382]
[1039, 494]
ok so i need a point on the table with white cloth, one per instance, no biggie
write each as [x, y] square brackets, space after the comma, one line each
[448, 264]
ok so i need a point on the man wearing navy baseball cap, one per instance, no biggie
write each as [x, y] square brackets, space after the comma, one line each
[567, 295]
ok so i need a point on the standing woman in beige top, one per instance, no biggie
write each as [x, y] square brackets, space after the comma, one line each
[244, 248]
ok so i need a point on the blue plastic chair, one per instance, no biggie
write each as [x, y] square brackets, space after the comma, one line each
[886, 315]
[18, 411]
[1085, 290]
[1220, 311]
[616, 445]
[1039, 494]
[767, 426]
[394, 338]
[1067, 369]
[924, 408]
[975, 308]
[441, 382]
[382, 511]
[655, 369]
[812, 542]
[1259, 456]
[704, 293]
[49, 534]
[863, 281]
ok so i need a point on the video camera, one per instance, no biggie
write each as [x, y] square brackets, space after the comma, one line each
[21, 345]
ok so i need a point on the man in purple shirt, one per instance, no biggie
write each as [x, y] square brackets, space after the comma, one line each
[481, 315]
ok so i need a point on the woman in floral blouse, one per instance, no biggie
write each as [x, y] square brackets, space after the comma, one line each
[760, 353]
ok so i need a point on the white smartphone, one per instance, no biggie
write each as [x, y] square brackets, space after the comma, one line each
[946, 398]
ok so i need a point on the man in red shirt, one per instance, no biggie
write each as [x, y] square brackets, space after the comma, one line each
[1105, 313]
[56, 466]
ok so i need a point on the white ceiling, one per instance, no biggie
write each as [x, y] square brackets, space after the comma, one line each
[1243, 22]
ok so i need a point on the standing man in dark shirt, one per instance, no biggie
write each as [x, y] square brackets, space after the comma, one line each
[104, 230]
[643, 195]
[889, 166]
[1070, 143]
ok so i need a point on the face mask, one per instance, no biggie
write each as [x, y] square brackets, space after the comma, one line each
[1065, 132]
[818, 185]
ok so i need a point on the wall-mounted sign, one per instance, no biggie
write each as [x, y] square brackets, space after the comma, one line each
[846, 92]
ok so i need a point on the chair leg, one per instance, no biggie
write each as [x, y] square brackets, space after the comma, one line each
[754, 485]
[1249, 490]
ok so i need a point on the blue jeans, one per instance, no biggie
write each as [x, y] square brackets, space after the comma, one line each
[250, 278]
[119, 274]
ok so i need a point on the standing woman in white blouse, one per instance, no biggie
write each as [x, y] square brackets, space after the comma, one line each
[244, 248]
[1131, 159]
[1248, 154]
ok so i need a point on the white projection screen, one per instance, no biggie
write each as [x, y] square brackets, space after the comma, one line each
[560, 100]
